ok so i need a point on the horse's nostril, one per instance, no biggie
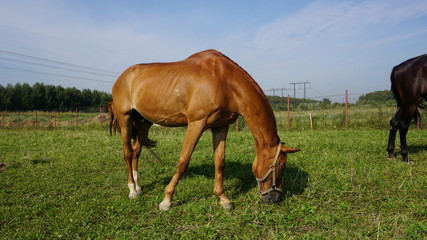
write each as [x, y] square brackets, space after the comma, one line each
[273, 197]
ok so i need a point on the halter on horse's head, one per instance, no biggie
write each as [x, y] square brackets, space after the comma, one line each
[270, 184]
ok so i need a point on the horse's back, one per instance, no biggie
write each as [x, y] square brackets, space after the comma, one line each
[166, 92]
[409, 79]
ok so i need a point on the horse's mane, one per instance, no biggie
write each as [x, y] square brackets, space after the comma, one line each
[248, 78]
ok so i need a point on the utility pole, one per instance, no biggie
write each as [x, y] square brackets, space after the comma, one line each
[300, 83]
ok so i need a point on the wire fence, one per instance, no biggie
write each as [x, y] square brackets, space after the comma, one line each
[56, 119]
[341, 116]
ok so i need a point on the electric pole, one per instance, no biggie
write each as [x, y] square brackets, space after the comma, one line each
[300, 83]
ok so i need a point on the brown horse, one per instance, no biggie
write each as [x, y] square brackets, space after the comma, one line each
[409, 87]
[205, 91]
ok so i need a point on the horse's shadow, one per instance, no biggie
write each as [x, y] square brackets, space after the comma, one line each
[295, 180]
[412, 149]
[417, 148]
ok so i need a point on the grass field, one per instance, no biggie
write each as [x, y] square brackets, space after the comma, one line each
[68, 184]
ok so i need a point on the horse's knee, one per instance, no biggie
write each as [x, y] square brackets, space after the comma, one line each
[181, 167]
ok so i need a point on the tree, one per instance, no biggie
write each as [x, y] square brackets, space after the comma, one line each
[2, 98]
[51, 97]
[38, 96]
[26, 92]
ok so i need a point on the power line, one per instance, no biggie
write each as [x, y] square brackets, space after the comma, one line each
[74, 42]
[57, 62]
[56, 67]
[56, 75]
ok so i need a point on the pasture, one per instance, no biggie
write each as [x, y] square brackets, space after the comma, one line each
[68, 184]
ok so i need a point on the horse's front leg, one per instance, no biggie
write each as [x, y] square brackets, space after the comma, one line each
[192, 136]
[219, 137]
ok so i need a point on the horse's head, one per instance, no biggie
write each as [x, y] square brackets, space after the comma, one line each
[269, 174]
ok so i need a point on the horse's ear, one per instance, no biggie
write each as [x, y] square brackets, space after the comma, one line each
[285, 149]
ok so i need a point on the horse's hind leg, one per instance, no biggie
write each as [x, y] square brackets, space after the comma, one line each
[219, 136]
[140, 139]
[394, 122]
[126, 126]
[404, 123]
[192, 136]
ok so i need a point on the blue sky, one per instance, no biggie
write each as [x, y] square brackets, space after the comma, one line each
[335, 45]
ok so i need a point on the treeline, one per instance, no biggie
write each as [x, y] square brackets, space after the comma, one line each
[23, 97]
[375, 99]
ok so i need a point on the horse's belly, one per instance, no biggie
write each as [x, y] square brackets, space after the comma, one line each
[175, 120]
[163, 117]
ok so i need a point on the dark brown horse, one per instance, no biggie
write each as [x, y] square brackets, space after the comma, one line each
[409, 87]
[205, 91]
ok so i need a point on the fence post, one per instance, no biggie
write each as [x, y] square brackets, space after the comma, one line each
[346, 108]
[77, 120]
[35, 122]
[2, 121]
[289, 112]
[100, 116]
[311, 121]
[54, 119]
[418, 118]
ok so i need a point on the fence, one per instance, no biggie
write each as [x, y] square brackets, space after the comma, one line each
[54, 119]
[339, 116]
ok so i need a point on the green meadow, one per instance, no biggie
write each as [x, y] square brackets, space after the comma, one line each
[72, 184]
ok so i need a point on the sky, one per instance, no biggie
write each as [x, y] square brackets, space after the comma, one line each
[333, 45]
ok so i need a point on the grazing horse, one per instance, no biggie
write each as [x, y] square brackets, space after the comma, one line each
[409, 87]
[205, 91]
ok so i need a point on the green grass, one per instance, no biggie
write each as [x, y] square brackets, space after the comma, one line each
[68, 184]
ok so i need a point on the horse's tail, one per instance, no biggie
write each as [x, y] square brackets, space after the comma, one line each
[138, 119]
[114, 125]
[394, 87]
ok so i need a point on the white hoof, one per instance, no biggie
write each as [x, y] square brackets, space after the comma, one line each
[133, 195]
[165, 206]
[227, 206]
[138, 190]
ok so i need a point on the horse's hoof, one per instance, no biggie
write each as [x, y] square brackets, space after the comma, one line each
[407, 159]
[227, 206]
[391, 156]
[410, 162]
[133, 195]
[165, 206]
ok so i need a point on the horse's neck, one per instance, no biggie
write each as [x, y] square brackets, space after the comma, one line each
[260, 119]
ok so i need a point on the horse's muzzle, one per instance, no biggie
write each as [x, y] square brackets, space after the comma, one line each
[272, 196]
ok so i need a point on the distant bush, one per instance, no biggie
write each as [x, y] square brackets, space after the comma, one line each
[377, 98]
